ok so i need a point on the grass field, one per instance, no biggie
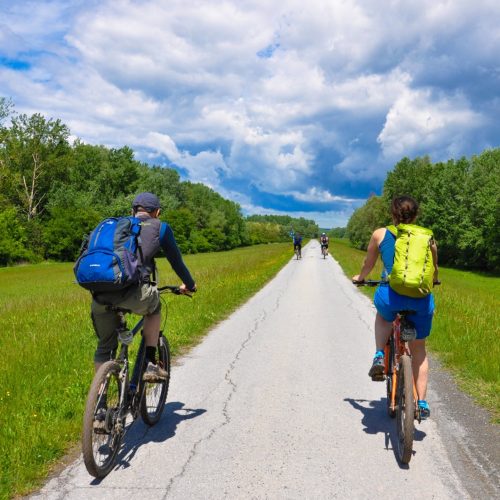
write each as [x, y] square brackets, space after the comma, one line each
[465, 334]
[47, 344]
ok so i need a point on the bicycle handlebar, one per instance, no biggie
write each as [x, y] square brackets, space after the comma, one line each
[368, 282]
[378, 282]
[176, 290]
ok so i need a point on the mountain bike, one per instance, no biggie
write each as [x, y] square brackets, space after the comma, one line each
[118, 395]
[298, 252]
[324, 251]
[400, 386]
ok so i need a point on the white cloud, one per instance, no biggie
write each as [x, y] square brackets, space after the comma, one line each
[318, 195]
[203, 167]
[418, 123]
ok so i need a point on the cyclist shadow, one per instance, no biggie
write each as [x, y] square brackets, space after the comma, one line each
[376, 420]
[173, 414]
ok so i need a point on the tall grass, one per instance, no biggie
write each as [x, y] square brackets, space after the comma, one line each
[466, 332]
[47, 344]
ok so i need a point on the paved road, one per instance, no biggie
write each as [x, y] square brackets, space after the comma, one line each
[276, 403]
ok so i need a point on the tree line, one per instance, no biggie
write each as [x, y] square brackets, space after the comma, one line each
[274, 228]
[459, 200]
[53, 191]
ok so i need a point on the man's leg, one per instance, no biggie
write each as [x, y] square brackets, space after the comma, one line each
[105, 324]
[151, 329]
[151, 332]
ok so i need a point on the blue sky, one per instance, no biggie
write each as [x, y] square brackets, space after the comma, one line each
[284, 107]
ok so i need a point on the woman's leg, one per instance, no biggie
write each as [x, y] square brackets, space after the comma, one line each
[420, 365]
[382, 332]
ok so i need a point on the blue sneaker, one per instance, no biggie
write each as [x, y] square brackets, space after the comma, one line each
[425, 411]
[378, 367]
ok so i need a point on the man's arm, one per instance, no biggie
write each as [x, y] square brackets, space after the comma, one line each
[173, 254]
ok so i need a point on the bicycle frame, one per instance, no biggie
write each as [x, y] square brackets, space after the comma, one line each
[132, 390]
[400, 348]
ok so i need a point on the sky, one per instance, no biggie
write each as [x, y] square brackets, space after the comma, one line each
[286, 107]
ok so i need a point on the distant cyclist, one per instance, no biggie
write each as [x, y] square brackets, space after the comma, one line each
[297, 243]
[324, 240]
[388, 302]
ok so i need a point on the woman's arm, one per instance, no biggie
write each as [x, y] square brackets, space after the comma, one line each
[434, 252]
[372, 254]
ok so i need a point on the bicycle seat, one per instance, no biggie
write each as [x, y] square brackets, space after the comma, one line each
[408, 331]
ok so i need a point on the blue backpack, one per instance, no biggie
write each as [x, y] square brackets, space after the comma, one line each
[111, 256]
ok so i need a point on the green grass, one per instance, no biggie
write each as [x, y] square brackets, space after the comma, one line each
[47, 344]
[465, 334]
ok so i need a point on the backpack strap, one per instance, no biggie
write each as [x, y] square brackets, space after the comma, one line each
[136, 231]
[392, 229]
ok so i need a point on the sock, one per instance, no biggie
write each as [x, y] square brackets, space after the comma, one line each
[379, 354]
[151, 354]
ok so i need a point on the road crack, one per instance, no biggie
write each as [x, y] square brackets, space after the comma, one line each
[263, 315]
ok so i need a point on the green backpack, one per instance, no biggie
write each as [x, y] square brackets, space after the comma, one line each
[413, 270]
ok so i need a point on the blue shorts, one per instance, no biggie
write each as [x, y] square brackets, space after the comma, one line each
[389, 303]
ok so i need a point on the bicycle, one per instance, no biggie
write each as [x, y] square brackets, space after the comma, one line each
[298, 253]
[402, 400]
[114, 395]
[324, 251]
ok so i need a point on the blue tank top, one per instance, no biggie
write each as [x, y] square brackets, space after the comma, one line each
[387, 250]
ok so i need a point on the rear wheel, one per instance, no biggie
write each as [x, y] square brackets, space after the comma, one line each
[101, 437]
[405, 410]
[155, 394]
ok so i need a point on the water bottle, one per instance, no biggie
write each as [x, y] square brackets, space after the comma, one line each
[125, 336]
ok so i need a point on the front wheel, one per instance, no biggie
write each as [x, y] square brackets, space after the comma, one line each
[405, 411]
[155, 394]
[101, 438]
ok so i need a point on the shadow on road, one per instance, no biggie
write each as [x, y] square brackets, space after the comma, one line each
[140, 434]
[376, 420]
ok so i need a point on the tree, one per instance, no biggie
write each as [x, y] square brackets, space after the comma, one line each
[373, 214]
[409, 177]
[34, 151]
[481, 240]
[13, 238]
[337, 232]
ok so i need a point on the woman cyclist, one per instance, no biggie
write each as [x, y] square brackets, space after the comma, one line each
[404, 210]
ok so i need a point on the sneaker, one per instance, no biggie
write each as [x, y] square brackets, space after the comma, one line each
[377, 370]
[425, 411]
[154, 373]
